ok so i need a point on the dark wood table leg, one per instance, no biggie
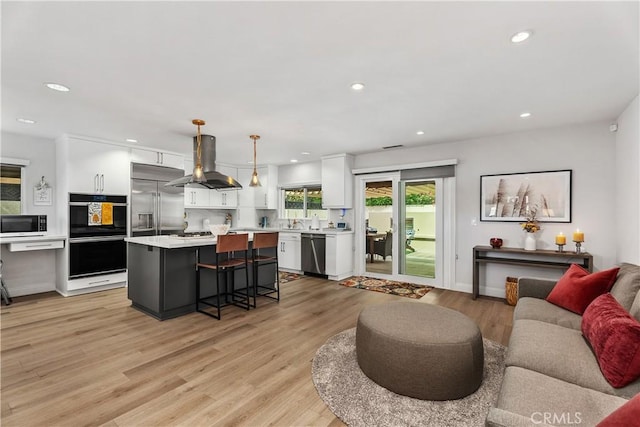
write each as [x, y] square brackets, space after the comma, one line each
[476, 275]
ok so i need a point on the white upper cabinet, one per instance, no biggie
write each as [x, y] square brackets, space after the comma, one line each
[86, 166]
[196, 197]
[227, 199]
[246, 194]
[159, 158]
[266, 196]
[337, 181]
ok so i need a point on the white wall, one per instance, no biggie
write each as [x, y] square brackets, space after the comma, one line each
[587, 149]
[41, 153]
[627, 203]
[34, 271]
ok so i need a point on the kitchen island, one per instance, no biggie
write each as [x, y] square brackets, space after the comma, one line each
[162, 274]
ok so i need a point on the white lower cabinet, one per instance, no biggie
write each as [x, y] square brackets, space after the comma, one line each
[339, 256]
[289, 247]
[337, 181]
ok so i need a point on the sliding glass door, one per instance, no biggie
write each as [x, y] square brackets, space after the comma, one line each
[400, 224]
[376, 219]
[421, 217]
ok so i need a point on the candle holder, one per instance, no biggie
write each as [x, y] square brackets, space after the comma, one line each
[560, 248]
[578, 247]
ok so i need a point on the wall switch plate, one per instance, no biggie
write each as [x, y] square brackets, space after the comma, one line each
[474, 221]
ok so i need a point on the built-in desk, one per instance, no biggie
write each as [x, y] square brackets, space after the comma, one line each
[30, 263]
[521, 257]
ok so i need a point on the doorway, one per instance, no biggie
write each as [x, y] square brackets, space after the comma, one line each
[405, 225]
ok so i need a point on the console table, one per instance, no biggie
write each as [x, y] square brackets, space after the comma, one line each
[518, 256]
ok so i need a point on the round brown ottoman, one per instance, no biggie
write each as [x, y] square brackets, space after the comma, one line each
[420, 350]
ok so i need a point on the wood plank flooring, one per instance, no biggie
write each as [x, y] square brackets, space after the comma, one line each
[93, 360]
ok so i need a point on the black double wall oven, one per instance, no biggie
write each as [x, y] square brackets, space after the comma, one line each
[97, 229]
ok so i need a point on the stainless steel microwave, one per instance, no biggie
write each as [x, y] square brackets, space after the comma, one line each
[23, 225]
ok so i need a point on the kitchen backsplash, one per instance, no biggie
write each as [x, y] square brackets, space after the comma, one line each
[252, 218]
[195, 218]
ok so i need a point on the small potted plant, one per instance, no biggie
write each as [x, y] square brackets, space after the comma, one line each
[531, 226]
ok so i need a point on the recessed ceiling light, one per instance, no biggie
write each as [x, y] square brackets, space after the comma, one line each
[26, 121]
[294, 160]
[357, 86]
[521, 36]
[57, 86]
[305, 153]
[525, 115]
[131, 140]
[420, 132]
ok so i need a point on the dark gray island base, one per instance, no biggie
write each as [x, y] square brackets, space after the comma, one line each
[162, 275]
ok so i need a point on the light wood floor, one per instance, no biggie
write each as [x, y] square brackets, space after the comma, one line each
[94, 360]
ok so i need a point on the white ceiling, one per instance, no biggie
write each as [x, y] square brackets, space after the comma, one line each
[282, 70]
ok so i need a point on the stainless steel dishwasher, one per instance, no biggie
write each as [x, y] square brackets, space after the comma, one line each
[313, 253]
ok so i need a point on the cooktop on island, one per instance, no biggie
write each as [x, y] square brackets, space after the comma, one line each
[193, 235]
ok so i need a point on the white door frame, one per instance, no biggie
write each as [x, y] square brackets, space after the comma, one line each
[446, 221]
[360, 260]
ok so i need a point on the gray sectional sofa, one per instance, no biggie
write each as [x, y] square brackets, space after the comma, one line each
[552, 376]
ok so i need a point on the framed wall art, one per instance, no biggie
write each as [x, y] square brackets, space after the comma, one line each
[42, 193]
[512, 197]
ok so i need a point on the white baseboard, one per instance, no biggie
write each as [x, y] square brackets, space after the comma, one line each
[30, 288]
[340, 276]
[486, 291]
[289, 270]
[90, 290]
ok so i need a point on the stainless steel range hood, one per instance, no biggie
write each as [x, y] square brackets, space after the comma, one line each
[214, 179]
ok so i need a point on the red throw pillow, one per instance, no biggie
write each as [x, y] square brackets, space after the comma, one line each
[625, 416]
[577, 287]
[615, 339]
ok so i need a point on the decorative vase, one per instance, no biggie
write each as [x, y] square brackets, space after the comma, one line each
[530, 242]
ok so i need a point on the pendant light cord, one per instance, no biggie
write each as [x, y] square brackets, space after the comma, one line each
[254, 156]
[199, 149]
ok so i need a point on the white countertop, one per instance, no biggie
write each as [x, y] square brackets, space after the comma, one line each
[171, 242]
[26, 239]
[174, 242]
[296, 230]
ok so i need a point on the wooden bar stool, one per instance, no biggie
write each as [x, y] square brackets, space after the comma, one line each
[227, 263]
[264, 241]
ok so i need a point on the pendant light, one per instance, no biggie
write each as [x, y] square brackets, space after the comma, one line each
[198, 173]
[255, 182]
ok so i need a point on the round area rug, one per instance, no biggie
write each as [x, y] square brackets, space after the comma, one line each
[358, 401]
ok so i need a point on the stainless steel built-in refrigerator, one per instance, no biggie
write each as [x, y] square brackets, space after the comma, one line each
[155, 209]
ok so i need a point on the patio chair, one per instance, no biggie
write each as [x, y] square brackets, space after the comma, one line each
[410, 235]
[383, 247]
